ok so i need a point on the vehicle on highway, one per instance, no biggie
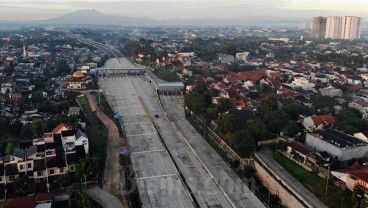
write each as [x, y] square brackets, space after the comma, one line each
[156, 116]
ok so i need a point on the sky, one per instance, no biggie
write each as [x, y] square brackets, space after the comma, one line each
[14, 10]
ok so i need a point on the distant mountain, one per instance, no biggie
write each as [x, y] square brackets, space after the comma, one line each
[83, 17]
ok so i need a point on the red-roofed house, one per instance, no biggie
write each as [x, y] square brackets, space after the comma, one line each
[23, 202]
[285, 92]
[273, 74]
[232, 77]
[239, 104]
[29, 201]
[61, 127]
[216, 100]
[354, 177]
[220, 86]
[312, 123]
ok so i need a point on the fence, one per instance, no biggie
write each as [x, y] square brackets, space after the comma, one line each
[210, 134]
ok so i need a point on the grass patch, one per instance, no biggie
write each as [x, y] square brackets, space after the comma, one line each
[311, 181]
[162, 72]
[166, 74]
[96, 131]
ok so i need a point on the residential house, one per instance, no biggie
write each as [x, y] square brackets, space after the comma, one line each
[301, 82]
[74, 111]
[242, 56]
[300, 149]
[355, 80]
[318, 122]
[360, 104]
[331, 92]
[354, 177]
[40, 200]
[46, 157]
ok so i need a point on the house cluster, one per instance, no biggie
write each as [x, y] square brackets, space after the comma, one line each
[26, 71]
[346, 155]
[43, 159]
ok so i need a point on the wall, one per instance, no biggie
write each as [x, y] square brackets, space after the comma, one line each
[276, 188]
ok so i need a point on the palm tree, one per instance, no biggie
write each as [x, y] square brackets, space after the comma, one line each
[87, 166]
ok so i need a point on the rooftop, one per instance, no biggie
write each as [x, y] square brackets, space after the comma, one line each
[300, 147]
[170, 84]
[340, 139]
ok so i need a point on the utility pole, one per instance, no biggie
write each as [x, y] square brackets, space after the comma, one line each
[5, 190]
[328, 178]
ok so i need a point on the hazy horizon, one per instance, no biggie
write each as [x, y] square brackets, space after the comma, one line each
[30, 10]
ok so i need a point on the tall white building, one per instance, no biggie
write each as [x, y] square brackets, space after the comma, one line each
[347, 27]
[351, 27]
[334, 27]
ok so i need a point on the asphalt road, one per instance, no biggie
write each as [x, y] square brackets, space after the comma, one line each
[266, 156]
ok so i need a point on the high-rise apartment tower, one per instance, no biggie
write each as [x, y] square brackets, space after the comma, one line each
[319, 27]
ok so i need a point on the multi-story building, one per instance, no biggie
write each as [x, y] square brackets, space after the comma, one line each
[347, 27]
[334, 27]
[319, 27]
[52, 155]
[351, 27]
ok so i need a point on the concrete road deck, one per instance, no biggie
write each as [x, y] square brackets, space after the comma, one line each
[158, 180]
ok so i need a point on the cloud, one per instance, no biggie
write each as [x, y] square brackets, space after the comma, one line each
[166, 9]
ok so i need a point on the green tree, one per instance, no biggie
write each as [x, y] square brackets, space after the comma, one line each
[227, 124]
[211, 114]
[276, 121]
[231, 50]
[9, 69]
[224, 105]
[258, 130]
[294, 110]
[324, 102]
[292, 128]
[350, 121]
[23, 186]
[87, 166]
[27, 131]
[9, 149]
[243, 143]
[196, 102]
[268, 104]
[62, 67]
[4, 125]
[38, 127]
[15, 128]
